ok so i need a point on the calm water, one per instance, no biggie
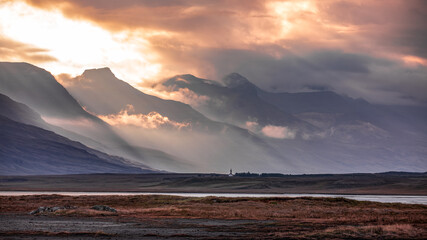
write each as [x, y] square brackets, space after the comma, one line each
[374, 198]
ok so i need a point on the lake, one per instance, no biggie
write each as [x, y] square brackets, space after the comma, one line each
[374, 198]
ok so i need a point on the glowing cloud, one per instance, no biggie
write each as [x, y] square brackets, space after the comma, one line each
[184, 95]
[77, 44]
[153, 120]
[289, 12]
[251, 126]
[273, 41]
[278, 132]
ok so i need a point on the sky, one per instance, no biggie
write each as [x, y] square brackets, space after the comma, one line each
[376, 50]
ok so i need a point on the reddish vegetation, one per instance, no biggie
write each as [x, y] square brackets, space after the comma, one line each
[293, 217]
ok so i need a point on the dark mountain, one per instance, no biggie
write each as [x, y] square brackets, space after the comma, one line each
[237, 102]
[23, 114]
[27, 148]
[19, 112]
[30, 150]
[325, 102]
[349, 134]
[39, 90]
[338, 109]
[99, 91]
[102, 93]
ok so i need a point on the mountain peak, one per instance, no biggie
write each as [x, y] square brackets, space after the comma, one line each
[187, 76]
[234, 80]
[242, 84]
[102, 73]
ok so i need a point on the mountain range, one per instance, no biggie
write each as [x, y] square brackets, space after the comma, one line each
[316, 129]
[96, 122]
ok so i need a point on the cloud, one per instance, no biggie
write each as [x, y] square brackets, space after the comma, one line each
[11, 50]
[278, 132]
[153, 120]
[378, 80]
[252, 126]
[184, 95]
[359, 48]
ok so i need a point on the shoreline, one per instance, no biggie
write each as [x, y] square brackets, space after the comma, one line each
[274, 194]
[403, 199]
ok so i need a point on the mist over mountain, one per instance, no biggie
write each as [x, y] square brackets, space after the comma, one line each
[171, 126]
[61, 113]
[392, 118]
[342, 132]
[236, 103]
[102, 93]
[30, 149]
[214, 126]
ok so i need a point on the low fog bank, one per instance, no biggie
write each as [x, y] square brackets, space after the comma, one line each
[206, 152]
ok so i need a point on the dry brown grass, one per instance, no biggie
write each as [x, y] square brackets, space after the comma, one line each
[294, 217]
[55, 234]
[395, 231]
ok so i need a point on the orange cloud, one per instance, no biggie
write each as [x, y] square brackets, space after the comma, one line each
[278, 132]
[153, 120]
[184, 95]
[144, 40]
[11, 50]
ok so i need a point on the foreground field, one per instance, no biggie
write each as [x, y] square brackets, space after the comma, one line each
[159, 217]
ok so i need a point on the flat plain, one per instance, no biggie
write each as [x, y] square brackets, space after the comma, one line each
[380, 183]
[173, 217]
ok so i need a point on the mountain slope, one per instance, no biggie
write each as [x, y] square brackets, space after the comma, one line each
[26, 149]
[25, 144]
[343, 109]
[19, 112]
[39, 90]
[349, 135]
[237, 102]
[23, 114]
[102, 93]
[206, 143]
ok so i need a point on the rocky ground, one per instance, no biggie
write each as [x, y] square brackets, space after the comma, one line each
[170, 217]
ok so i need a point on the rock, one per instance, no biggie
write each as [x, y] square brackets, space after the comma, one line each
[103, 208]
[49, 209]
[38, 210]
[55, 209]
